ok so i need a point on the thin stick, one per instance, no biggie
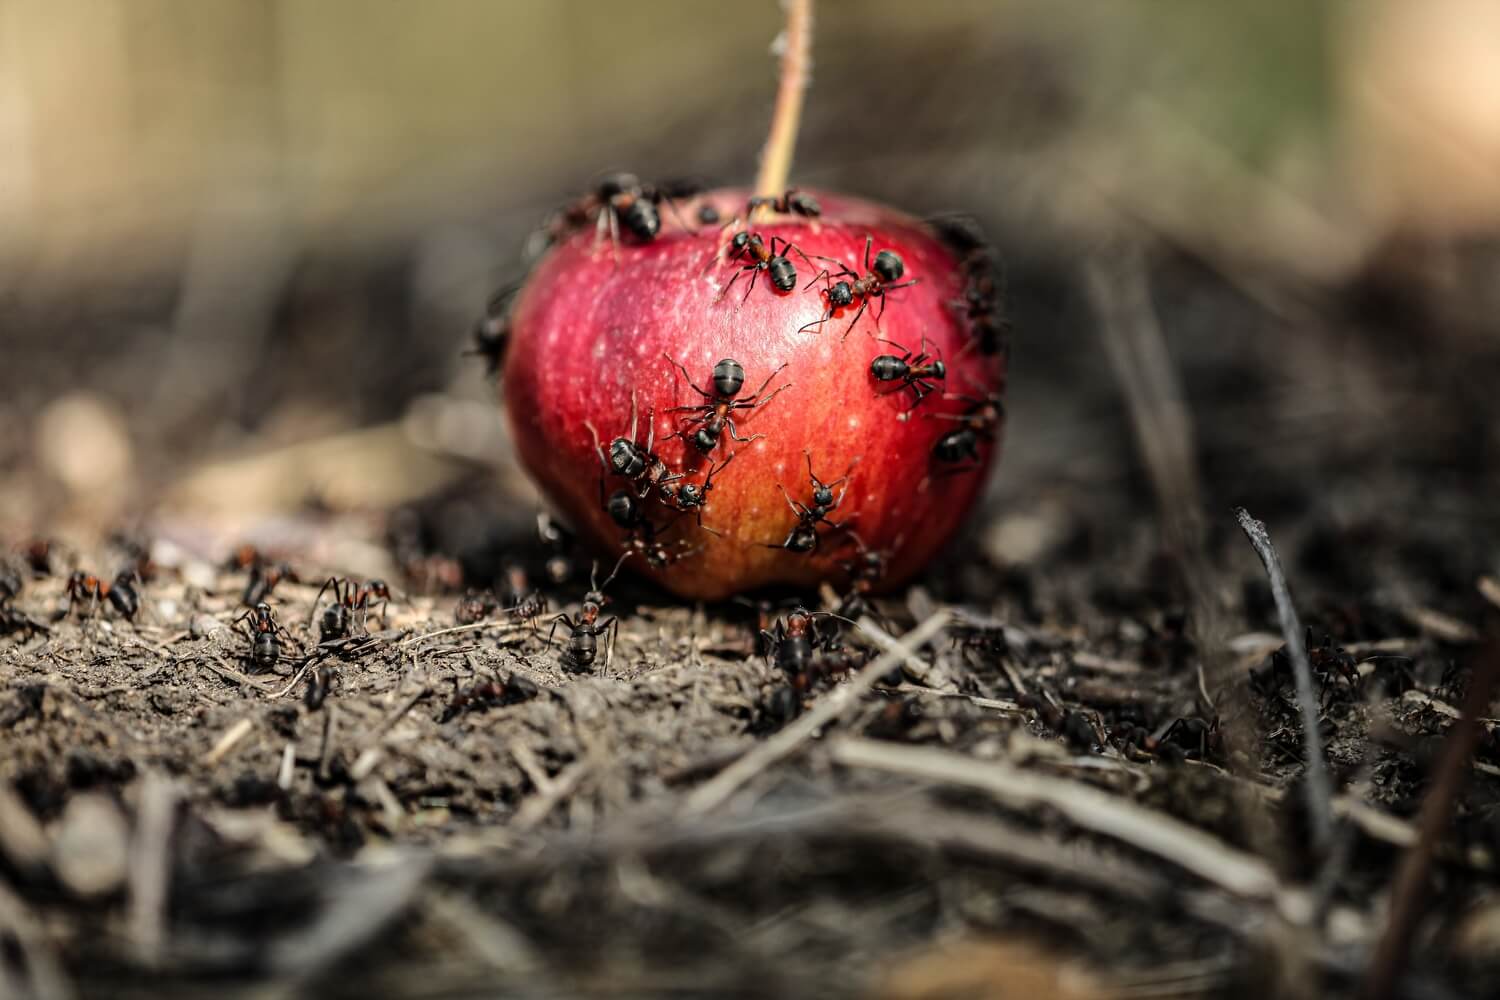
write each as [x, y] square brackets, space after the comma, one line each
[728, 781]
[796, 61]
[1410, 885]
[1169, 839]
[1319, 791]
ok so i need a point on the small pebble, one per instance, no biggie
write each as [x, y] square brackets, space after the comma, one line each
[91, 853]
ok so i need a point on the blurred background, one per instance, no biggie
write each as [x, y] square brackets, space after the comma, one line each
[242, 241]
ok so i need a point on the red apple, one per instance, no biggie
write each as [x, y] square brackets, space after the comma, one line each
[596, 322]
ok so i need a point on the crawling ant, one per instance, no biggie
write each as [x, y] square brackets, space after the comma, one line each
[319, 685]
[583, 641]
[804, 535]
[778, 268]
[491, 334]
[244, 557]
[989, 327]
[629, 460]
[792, 641]
[489, 694]
[714, 415]
[522, 603]
[263, 580]
[348, 597]
[622, 201]
[474, 607]
[122, 595]
[690, 497]
[963, 236]
[12, 620]
[793, 202]
[918, 371]
[643, 540]
[265, 636]
[882, 275]
[865, 570]
[960, 447]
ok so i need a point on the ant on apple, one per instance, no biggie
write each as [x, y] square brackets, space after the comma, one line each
[959, 448]
[882, 275]
[793, 202]
[491, 333]
[642, 535]
[776, 265]
[690, 497]
[918, 371]
[804, 535]
[622, 201]
[640, 465]
[583, 640]
[714, 415]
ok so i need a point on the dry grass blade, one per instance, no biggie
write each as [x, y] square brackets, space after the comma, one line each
[1319, 790]
[727, 782]
[1168, 839]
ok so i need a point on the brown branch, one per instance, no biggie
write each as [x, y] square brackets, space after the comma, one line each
[1410, 886]
[796, 64]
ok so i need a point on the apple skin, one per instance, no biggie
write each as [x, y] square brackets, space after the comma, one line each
[592, 326]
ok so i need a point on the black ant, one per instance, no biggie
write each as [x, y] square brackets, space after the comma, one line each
[690, 497]
[803, 652]
[12, 620]
[263, 580]
[882, 275]
[522, 603]
[622, 201]
[474, 607]
[752, 247]
[642, 534]
[793, 202]
[265, 636]
[804, 535]
[631, 461]
[486, 694]
[583, 640]
[865, 570]
[960, 447]
[491, 334]
[918, 371]
[320, 683]
[728, 379]
[122, 595]
[348, 597]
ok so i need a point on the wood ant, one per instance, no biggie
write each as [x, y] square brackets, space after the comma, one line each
[122, 595]
[642, 534]
[793, 202]
[583, 641]
[263, 580]
[12, 620]
[522, 603]
[865, 570]
[714, 415]
[918, 371]
[491, 333]
[474, 607]
[803, 652]
[690, 497]
[804, 535]
[776, 265]
[490, 694]
[882, 275]
[960, 447]
[630, 460]
[622, 201]
[265, 636]
[348, 597]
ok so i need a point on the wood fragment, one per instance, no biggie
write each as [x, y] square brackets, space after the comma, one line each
[713, 793]
[227, 742]
[1319, 790]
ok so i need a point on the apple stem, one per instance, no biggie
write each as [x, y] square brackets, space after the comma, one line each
[796, 62]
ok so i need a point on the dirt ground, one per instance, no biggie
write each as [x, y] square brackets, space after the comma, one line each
[425, 808]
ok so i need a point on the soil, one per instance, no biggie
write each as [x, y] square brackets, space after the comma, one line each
[453, 811]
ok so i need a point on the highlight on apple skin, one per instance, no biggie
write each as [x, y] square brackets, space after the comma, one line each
[859, 350]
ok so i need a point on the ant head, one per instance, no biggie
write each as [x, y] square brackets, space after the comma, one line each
[626, 458]
[840, 294]
[729, 377]
[613, 184]
[889, 266]
[740, 241]
[939, 370]
[378, 588]
[822, 495]
[803, 204]
[263, 610]
[798, 621]
[689, 495]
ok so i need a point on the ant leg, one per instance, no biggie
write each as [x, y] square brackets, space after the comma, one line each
[689, 379]
[768, 381]
[650, 425]
[313, 614]
[561, 619]
[862, 304]
[820, 276]
[611, 628]
[614, 234]
[725, 290]
[754, 273]
[672, 206]
[817, 322]
[869, 240]
[799, 509]
[735, 435]
[598, 450]
[902, 284]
